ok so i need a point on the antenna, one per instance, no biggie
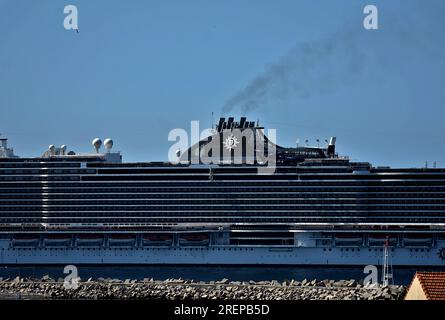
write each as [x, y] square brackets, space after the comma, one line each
[298, 142]
[212, 119]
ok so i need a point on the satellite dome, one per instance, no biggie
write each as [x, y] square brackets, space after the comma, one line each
[63, 148]
[51, 148]
[97, 143]
[108, 143]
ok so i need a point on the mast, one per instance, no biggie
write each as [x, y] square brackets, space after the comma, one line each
[387, 265]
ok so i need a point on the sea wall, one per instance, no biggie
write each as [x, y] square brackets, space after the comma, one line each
[174, 289]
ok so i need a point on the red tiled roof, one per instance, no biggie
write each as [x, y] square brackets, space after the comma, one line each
[433, 284]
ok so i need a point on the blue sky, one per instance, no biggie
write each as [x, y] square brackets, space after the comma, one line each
[138, 69]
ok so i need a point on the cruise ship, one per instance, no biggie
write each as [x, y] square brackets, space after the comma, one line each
[315, 208]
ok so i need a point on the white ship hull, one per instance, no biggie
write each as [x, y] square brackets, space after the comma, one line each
[219, 255]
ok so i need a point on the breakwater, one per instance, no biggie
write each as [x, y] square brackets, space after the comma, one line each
[179, 289]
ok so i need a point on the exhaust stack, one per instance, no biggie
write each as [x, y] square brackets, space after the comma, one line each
[331, 147]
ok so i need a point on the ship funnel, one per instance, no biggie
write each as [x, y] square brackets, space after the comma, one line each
[4, 143]
[331, 147]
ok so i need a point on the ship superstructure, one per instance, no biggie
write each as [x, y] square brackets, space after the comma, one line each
[316, 208]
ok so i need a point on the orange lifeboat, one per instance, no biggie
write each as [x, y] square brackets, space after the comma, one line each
[157, 239]
[57, 239]
[379, 239]
[418, 240]
[122, 239]
[25, 240]
[194, 239]
[348, 239]
[89, 239]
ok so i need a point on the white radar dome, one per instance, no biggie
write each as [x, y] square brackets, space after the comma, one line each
[108, 143]
[97, 143]
[63, 149]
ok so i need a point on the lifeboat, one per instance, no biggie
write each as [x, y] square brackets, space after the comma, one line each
[157, 239]
[121, 239]
[417, 240]
[194, 239]
[25, 240]
[57, 240]
[88, 239]
[378, 240]
[348, 239]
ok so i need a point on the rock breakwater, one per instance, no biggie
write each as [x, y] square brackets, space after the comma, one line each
[179, 289]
